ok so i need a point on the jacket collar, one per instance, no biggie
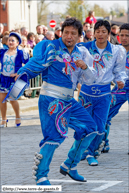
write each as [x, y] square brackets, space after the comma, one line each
[108, 47]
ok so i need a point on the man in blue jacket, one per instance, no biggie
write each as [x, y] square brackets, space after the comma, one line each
[109, 63]
[119, 96]
[58, 109]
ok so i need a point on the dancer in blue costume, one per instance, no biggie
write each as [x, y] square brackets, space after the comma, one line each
[119, 96]
[109, 62]
[11, 61]
[58, 109]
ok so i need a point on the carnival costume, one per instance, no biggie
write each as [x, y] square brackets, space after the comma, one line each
[119, 97]
[58, 110]
[96, 97]
[10, 65]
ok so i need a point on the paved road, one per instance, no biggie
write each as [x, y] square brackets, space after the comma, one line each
[19, 144]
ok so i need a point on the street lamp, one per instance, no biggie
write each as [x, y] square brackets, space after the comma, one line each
[3, 3]
[29, 4]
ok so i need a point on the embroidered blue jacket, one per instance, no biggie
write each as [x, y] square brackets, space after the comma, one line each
[53, 60]
[110, 65]
[22, 57]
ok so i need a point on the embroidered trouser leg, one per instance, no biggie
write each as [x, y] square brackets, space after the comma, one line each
[56, 115]
[98, 107]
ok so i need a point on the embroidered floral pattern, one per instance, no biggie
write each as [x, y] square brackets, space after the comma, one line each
[83, 103]
[113, 101]
[100, 62]
[62, 116]
[53, 106]
[63, 56]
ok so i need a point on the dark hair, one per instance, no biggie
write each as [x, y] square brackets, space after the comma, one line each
[29, 35]
[38, 26]
[5, 39]
[73, 22]
[15, 37]
[124, 26]
[104, 23]
[90, 13]
[85, 23]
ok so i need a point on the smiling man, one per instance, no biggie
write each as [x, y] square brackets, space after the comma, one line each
[109, 63]
[119, 96]
[58, 110]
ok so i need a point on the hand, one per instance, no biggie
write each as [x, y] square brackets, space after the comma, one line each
[81, 64]
[17, 75]
[120, 84]
[13, 75]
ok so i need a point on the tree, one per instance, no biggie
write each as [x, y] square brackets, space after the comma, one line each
[117, 10]
[99, 12]
[78, 9]
[42, 9]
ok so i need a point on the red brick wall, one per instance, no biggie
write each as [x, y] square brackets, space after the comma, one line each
[4, 16]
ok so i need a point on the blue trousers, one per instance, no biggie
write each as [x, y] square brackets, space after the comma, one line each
[98, 107]
[56, 115]
[118, 99]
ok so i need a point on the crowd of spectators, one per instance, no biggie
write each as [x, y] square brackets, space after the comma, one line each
[30, 39]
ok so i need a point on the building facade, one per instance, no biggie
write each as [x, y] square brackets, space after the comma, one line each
[18, 13]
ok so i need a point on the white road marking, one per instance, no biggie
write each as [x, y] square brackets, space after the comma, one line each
[106, 185]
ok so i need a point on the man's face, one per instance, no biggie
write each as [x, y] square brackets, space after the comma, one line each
[45, 30]
[40, 30]
[24, 32]
[101, 34]
[124, 37]
[70, 36]
[86, 27]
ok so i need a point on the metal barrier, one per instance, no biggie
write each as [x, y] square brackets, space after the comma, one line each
[35, 84]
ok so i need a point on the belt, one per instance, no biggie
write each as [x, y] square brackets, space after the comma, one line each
[96, 90]
[56, 91]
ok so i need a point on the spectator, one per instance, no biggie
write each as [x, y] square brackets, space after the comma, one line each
[39, 30]
[6, 33]
[1, 31]
[57, 32]
[24, 31]
[11, 60]
[114, 33]
[45, 30]
[17, 30]
[49, 35]
[91, 19]
[38, 38]
[31, 39]
[26, 46]
[86, 26]
[89, 35]
[5, 41]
